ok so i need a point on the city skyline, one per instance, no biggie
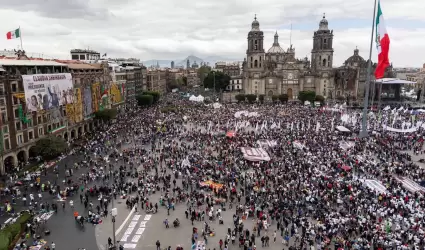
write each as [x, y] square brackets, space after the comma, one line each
[172, 30]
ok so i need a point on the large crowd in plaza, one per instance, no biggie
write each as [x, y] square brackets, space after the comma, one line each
[299, 173]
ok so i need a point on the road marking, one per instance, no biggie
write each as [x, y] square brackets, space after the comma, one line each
[125, 237]
[133, 224]
[129, 230]
[136, 238]
[136, 217]
[130, 246]
[143, 223]
[147, 217]
[125, 221]
[140, 230]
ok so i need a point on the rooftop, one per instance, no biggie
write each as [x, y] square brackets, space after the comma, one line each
[7, 61]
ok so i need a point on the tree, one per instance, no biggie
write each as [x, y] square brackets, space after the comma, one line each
[203, 72]
[106, 114]
[283, 98]
[240, 97]
[50, 147]
[261, 98]
[154, 94]
[221, 80]
[320, 98]
[184, 80]
[307, 96]
[144, 100]
[251, 98]
[275, 98]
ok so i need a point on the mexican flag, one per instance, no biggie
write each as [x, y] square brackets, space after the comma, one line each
[382, 44]
[13, 34]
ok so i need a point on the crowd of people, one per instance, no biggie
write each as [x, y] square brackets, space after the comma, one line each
[312, 186]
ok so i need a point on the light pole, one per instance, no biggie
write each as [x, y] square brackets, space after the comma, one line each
[214, 83]
[363, 132]
[114, 211]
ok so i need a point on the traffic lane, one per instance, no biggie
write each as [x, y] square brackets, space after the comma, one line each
[66, 233]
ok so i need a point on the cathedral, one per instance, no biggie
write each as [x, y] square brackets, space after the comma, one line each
[278, 71]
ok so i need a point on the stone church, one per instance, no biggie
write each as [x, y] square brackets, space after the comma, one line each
[278, 71]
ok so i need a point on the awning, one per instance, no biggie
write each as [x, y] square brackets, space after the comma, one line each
[342, 129]
[393, 81]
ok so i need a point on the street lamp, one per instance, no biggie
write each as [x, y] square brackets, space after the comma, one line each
[214, 83]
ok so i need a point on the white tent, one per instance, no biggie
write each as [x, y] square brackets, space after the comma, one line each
[196, 98]
[393, 81]
[217, 105]
[342, 129]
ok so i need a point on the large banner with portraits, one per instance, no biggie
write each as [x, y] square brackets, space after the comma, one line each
[48, 91]
[74, 111]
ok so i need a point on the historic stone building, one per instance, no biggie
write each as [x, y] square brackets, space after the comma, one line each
[279, 72]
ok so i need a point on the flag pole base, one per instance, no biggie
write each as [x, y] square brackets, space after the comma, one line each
[363, 134]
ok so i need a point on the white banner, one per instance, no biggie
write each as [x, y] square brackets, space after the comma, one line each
[47, 91]
[255, 154]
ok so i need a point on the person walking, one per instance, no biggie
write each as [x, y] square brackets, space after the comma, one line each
[53, 246]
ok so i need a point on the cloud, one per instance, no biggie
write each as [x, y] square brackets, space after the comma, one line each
[175, 29]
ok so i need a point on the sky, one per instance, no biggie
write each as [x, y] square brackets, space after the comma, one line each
[174, 29]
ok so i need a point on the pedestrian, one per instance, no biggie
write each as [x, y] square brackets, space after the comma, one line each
[53, 246]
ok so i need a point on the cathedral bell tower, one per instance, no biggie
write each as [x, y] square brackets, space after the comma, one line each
[255, 51]
[322, 52]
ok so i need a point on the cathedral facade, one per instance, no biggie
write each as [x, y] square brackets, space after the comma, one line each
[278, 71]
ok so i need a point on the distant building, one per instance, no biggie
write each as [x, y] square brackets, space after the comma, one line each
[187, 64]
[85, 55]
[172, 64]
[195, 65]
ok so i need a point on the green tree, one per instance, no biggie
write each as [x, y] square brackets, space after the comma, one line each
[50, 147]
[203, 72]
[154, 94]
[307, 96]
[221, 80]
[184, 80]
[283, 98]
[144, 100]
[320, 98]
[106, 114]
[251, 98]
[275, 98]
[240, 97]
[261, 98]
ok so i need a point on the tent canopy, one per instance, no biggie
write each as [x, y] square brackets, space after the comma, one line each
[393, 81]
[342, 129]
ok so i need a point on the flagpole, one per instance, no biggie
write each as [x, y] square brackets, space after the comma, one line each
[363, 132]
[20, 36]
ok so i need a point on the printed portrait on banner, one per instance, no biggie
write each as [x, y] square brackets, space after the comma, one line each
[47, 91]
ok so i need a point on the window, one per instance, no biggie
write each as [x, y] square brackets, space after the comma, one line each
[39, 120]
[4, 116]
[255, 63]
[324, 62]
[6, 129]
[2, 89]
[14, 87]
[40, 131]
[75, 57]
[6, 144]
[30, 135]
[49, 128]
[18, 125]
[2, 101]
[20, 139]
[15, 101]
[82, 57]
[324, 40]
[255, 47]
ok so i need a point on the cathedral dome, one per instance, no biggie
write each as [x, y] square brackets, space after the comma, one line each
[276, 47]
[323, 25]
[255, 26]
[355, 58]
